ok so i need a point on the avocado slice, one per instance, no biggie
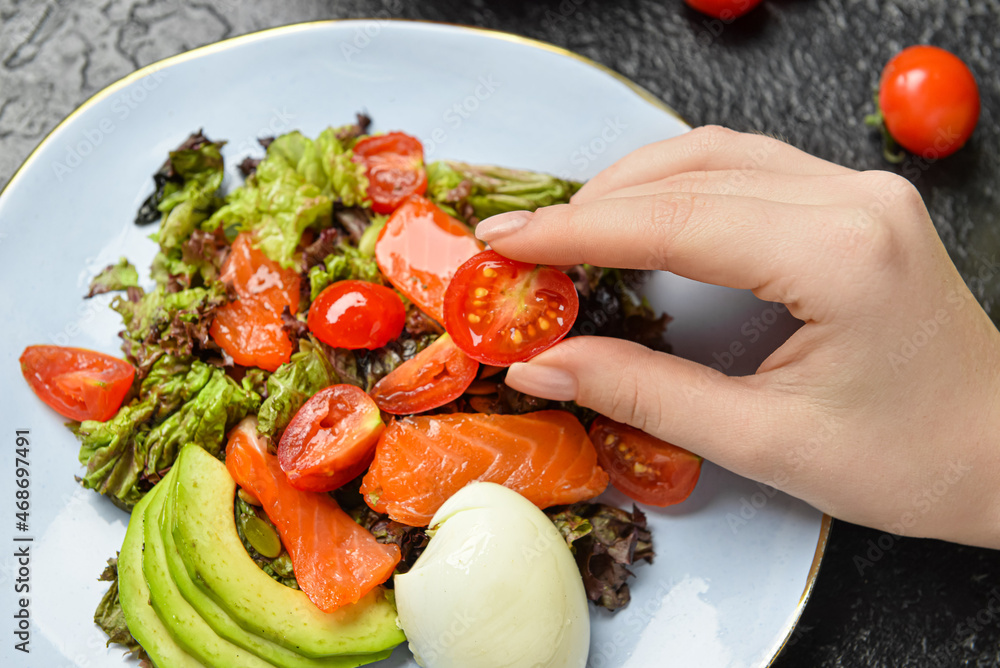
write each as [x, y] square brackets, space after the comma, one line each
[223, 624]
[182, 621]
[143, 622]
[204, 531]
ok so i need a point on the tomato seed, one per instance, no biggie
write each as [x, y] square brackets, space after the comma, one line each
[481, 292]
[544, 324]
[489, 273]
[517, 337]
[474, 319]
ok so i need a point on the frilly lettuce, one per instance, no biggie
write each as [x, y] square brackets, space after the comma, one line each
[474, 192]
[179, 402]
[294, 188]
[114, 278]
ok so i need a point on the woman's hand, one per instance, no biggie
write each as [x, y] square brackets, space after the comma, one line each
[883, 409]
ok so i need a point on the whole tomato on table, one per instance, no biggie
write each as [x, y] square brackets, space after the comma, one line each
[928, 102]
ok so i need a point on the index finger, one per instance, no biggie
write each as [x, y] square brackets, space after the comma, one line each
[707, 148]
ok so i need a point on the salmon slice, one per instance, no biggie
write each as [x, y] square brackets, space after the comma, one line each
[336, 561]
[421, 461]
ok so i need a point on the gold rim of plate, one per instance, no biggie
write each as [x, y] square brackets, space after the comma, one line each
[824, 531]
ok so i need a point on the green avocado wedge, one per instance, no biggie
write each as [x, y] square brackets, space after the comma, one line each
[143, 622]
[203, 527]
[183, 622]
[220, 621]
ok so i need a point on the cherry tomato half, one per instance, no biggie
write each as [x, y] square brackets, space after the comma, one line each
[436, 375]
[250, 328]
[643, 467]
[357, 314]
[929, 101]
[501, 311]
[395, 166]
[726, 10]
[419, 250]
[331, 440]
[77, 383]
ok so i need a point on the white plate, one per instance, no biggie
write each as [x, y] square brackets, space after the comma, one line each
[734, 563]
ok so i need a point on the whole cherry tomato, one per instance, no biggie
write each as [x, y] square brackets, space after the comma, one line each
[929, 101]
[726, 10]
[357, 314]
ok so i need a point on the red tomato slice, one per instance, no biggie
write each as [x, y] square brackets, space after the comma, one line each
[436, 375]
[395, 166]
[643, 467]
[357, 314]
[76, 383]
[331, 440]
[501, 311]
[250, 328]
[336, 561]
[419, 250]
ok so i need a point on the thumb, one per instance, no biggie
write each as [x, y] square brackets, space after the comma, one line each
[721, 418]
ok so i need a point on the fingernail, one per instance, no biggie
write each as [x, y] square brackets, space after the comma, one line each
[501, 225]
[542, 381]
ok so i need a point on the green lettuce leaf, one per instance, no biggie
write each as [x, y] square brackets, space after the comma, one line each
[347, 263]
[474, 192]
[111, 618]
[180, 401]
[161, 322]
[189, 198]
[293, 189]
[114, 278]
[308, 372]
[204, 420]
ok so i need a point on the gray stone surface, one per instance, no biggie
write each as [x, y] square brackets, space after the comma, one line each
[802, 69]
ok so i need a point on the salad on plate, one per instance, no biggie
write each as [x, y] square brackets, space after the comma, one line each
[310, 427]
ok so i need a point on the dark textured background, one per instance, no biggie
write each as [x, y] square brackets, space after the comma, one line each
[802, 69]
